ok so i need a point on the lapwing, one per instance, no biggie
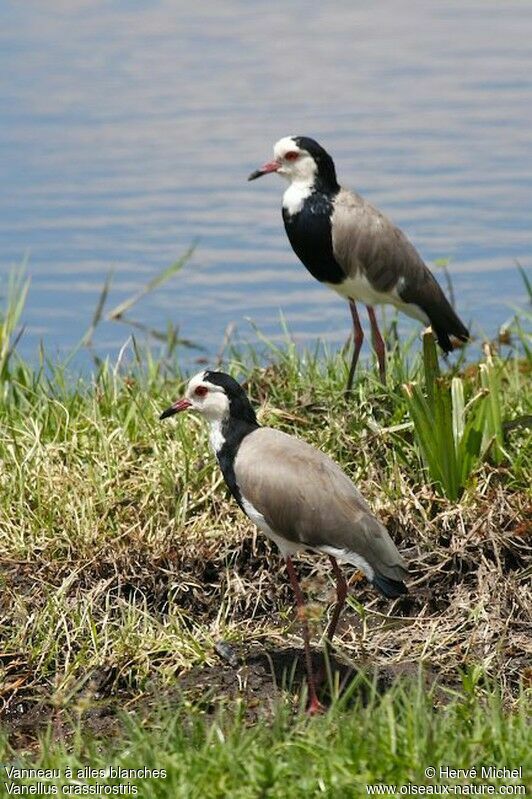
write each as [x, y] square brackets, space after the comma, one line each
[295, 494]
[350, 246]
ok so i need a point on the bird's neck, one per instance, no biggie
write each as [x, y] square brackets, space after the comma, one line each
[225, 436]
[299, 191]
[325, 179]
[296, 194]
[228, 430]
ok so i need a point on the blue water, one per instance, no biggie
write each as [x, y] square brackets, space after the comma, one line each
[128, 129]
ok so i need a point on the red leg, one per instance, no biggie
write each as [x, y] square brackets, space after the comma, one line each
[314, 705]
[378, 343]
[341, 594]
[358, 338]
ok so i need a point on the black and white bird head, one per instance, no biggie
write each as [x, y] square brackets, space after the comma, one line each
[302, 160]
[216, 396]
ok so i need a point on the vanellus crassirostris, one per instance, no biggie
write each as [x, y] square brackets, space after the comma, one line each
[295, 494]
[348, 244]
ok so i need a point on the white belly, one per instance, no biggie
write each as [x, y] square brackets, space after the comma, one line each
[359, 288]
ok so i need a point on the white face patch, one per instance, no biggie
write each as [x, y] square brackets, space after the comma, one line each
[207, 398]
[300, 171]
[283, 146]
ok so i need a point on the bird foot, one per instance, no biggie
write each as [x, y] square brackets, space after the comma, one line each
[315, 707]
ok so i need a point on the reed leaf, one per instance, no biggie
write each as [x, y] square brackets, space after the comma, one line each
[118, 311]
[17, 290]
[452, 434]
[492, 438]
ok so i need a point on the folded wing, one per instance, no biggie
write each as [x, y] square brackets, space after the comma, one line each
[365, 242]
[306, 498]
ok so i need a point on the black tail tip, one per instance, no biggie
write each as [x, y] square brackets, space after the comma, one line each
[390, 588]
[451, 341]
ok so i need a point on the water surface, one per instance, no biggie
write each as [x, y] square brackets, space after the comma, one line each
[129, 127]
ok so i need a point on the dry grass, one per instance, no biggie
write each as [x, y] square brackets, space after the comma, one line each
[123, 561]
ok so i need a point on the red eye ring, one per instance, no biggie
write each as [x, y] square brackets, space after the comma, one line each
[291, 156]
[200, 391]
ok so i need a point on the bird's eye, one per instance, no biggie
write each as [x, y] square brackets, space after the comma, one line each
[200, 391]
[292, 155]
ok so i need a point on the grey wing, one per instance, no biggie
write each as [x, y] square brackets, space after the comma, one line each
[305, 497]
[366, 242]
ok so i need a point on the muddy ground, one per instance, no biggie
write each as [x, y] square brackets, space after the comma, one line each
[256, 678]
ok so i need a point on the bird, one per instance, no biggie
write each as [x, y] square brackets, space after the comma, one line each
[354, 249]
[298, 496]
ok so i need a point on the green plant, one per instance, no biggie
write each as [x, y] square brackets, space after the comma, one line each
[454, 434]
[367, 738]
[15, 300]
[490, 380]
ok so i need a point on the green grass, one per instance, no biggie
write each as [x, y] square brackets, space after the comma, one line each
[124, 562]
[389, 738]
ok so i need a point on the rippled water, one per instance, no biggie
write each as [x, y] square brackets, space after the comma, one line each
[129, 127]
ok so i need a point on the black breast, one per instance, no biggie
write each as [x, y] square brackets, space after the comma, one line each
[310, 235]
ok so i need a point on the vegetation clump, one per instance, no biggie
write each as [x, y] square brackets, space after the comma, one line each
[127, 571]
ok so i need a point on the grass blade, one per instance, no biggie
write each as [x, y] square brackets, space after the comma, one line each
[152, 284]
